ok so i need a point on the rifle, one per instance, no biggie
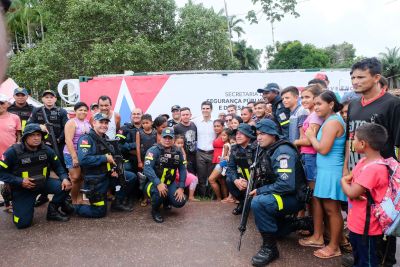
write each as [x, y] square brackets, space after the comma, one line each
[247, 200]
[53, 139]
[119, 160]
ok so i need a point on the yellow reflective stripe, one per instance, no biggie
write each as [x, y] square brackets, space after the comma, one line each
[148, 189]
[108, 166]
[284, 122]
[279, 201]
[2, 164]
[247, 172]
[56, 158]
[100, 203]
[126, 160]
[84, 145]
[44, 171]
[149, 158]
[184, 162]
[172, 172]
[25, 175]
[16, 219]
[46, 136]
[23, 124]
[285, 170]
[120, 135]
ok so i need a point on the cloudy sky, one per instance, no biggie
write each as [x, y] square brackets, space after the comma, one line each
[370, 25]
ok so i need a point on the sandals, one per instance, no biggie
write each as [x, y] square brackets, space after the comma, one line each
[307, 242]
[228, 200]
[326, 253]
[144, 202]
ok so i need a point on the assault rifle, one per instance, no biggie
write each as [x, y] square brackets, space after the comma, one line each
[119, 160]
[247, 200]
[50, 129]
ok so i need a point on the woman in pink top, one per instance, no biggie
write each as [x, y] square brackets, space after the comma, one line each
[74, 129]
[308, 153]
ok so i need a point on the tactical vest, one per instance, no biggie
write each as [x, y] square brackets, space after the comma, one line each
[23, 113]
[264, 171]
[54, 117]
[167, 164]
[243, 159]
[147, 140]
[32, 164]
[101, 149]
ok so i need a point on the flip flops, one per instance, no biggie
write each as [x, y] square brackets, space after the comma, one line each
[325, 253]
[307, 242]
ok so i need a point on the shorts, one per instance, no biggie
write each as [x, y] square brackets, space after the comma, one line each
[310, 166]
[218, 167]
[68, 161]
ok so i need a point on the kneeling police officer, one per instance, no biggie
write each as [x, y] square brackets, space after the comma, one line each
[280, 186]
[96, 160]
[161, 164]
[26, 167]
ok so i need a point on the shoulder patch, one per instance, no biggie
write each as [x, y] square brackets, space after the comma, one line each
[283, 156]
[284, 176]
[84, 142]
[283, 164]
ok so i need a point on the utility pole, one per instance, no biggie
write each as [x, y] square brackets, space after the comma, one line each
[229, 29]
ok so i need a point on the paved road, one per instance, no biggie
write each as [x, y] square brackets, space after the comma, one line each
[200, 234]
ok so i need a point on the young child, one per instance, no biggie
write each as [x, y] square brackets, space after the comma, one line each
[145, 138]
[216, 180]
[191, 179]
[290, 99]
[371, 176]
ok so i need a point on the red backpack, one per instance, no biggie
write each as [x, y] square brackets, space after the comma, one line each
[388, 210]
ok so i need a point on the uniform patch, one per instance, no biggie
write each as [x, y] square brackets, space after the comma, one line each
[147, 162]
[42, 157]
[26, 160]
[149, 154]
[84, 142]
[176, 157]
[282, 116]
[282, 156]
[283, 163]
[84, 150]
[284, 176]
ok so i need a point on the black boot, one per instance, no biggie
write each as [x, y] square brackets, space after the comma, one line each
[43, 198]
[268, 251]
[239, 209]
[305, 224]
[67, 207]
[157, 217]
[117, 205]
[53, 214]
[128, 202]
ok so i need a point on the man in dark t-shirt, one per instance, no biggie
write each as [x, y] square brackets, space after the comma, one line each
[188, 129]
[379, 107]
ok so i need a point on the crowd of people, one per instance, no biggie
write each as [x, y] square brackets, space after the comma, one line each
[295, 141]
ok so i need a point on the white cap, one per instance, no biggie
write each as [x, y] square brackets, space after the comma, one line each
[3, 98]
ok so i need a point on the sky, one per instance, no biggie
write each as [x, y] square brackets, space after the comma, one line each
[370, 25]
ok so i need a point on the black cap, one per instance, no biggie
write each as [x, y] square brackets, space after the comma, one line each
[271, 87]
[175, 107]
[20, 91]
[49, 92]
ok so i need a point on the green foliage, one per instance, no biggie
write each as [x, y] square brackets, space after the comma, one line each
[341, 55]
[274, 10]
[248, 57]
[391, 65]
[91, 37]
[295, 55]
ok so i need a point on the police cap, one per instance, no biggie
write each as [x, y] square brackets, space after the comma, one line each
[268, 126]
[100, 117]
[271, 87]
[21, 91]
[247, 130]
[169, 131]
[32, 128]
[49, 92]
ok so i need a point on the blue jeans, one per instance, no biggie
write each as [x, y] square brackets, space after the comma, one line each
[364, 251]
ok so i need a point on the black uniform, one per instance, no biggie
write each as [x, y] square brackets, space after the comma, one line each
[22, 112]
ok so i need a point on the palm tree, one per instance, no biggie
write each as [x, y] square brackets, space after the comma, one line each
[248, 57]
[391, 65]
[234, 26]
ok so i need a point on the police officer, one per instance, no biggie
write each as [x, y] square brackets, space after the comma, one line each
[127, 138]
[25, 166]
[96, 160]
[240, 160]
[58, 118]
[20, 107]
[176, 116]
[281, 114]
[280, 184]
[161, 164]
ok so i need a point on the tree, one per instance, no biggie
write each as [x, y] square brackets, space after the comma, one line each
[295, 55]
[391, 65]
[249, 58]
[235, 27]
[341, 55]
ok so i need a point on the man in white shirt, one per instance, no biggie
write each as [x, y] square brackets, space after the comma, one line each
[205, 149]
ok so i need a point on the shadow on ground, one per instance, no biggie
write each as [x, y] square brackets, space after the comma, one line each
[200, 234]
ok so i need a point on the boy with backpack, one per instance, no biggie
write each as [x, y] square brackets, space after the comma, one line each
[366, 185]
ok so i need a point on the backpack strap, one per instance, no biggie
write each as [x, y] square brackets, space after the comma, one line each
[370, 201]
